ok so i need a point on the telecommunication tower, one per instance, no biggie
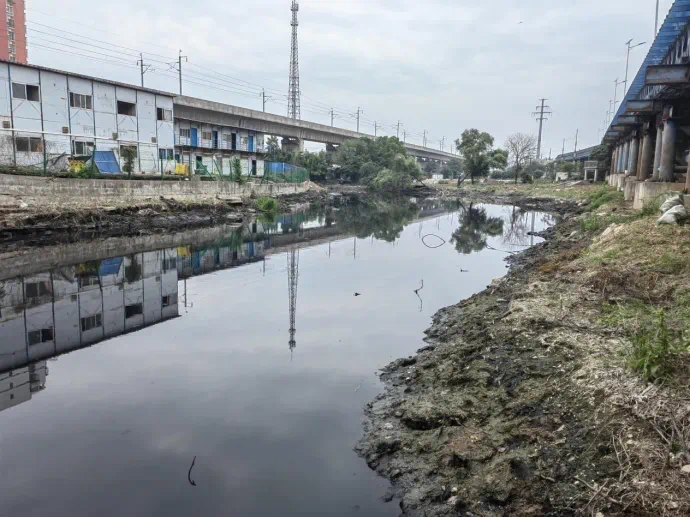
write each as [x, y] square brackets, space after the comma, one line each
[293, 91]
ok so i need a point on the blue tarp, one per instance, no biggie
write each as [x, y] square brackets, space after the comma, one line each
[106, 162]
[110, 266]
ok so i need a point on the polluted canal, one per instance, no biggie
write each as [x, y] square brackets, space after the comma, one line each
[228, 377]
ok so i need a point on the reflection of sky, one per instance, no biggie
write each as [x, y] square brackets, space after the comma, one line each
[118, 424]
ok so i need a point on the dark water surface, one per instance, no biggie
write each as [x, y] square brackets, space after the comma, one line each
[186, 352]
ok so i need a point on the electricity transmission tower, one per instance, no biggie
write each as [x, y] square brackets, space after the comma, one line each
[541, 115]
[293, 277]
[293, 91]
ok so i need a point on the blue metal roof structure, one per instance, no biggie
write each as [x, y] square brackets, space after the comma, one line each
[582, 154]
[106, 162]
[676, 20]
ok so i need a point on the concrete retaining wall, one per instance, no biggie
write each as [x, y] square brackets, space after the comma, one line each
[648, 191]
[630, 187]
[93, 192]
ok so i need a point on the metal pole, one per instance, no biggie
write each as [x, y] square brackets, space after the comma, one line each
[615, 95]
[332, 117]
[656, 20]
[358, 110]
[424, 138]
[398, 132]
[627, 63]
[179, 68]
[263, 99]
[141, 62]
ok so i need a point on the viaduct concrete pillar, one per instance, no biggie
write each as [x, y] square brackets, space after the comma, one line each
[636, 173]
[687, 177]
[633, 156]
[657, 152]
[614, 157]
[291, 145]
[619, 158]
[626, 157]
[668, 152]
[647, 157]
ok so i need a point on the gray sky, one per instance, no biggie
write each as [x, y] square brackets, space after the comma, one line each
[439, 65]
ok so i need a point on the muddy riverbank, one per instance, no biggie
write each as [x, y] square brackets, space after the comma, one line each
[37, 227]
[521, 402]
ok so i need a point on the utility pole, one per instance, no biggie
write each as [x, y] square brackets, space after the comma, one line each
[563, 149]
[332, 116]
[615, 96]
[141, 63]
[179, 68]
[610, 111]
[358, 112]
[404, 136]
[627, 63]
[541, 115]
[376, 127]
[424, 138]
[577, 132]
[443, 143]
[398, 132]
[656, 20]
[263, 99]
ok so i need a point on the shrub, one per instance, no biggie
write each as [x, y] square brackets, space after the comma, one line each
[128, 155]
[525, 177]
[653, 347]
[237, 171]
[266, 204]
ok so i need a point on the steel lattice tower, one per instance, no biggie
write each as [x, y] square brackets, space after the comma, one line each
[293, 91]
[293, 277]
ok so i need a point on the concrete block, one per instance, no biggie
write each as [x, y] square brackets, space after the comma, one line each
[648, 191]
[629, 188]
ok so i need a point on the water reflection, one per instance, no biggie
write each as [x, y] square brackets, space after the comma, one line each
[216, 384]
[46, 314]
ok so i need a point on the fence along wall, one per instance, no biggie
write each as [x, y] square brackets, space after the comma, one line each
[84, 192]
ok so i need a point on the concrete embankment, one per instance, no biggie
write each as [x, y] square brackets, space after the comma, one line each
[42, 192]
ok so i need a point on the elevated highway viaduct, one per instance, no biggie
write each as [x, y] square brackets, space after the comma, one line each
[294, 132]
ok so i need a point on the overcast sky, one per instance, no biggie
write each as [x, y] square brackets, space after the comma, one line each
[439, 65]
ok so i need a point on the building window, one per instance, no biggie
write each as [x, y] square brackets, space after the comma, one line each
[169, 300]
[165, 154]
[88, 323]
[10, 35]
[125, 108]
[163, 114]
[84, 148]
[80, 101]
[28, 92]
[206, 135]
[10, 22]
[37, 289]
[133, 310]
[41, 336]
[29, 144]
[185, 133]
[10, 10]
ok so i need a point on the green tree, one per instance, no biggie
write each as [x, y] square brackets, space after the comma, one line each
[316, 163]
[237, 171]
[272, 147]
[478, 154]
[128, 153]
[381, 163]
[453, 169]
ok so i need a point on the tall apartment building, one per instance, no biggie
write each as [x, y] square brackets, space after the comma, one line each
[13, 31]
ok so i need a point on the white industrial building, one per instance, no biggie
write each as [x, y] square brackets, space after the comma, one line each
[48, 115]
[215, 147]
